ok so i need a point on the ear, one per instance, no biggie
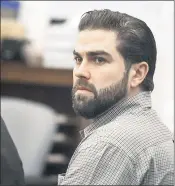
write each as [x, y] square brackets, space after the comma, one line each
[138, 73]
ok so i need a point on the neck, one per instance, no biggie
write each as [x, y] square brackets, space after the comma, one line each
[134, 91]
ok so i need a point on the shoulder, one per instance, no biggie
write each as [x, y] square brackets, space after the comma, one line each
[131, 133]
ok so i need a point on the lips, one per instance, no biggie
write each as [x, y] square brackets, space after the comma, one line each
[83, 88]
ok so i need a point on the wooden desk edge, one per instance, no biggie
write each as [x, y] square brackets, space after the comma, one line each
[18, 73]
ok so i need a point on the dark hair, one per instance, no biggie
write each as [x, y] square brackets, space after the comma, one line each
[135, 41]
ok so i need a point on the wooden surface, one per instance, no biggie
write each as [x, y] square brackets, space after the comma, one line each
[49, 86]
[17, 73]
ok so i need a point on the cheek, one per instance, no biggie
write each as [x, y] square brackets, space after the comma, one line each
[74, 78]
[107, 76]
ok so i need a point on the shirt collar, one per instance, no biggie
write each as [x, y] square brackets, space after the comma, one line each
[139, 101]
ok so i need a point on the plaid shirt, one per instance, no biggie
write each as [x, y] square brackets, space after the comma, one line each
[126, 145]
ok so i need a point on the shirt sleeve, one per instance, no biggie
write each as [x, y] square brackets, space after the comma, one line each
[100, 164]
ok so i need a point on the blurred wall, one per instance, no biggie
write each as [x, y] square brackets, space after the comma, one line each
[157, 14]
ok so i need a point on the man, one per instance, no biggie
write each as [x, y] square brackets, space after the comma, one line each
[12, 172]
[126, 143]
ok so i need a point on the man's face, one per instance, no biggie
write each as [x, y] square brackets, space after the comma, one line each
[99, 76]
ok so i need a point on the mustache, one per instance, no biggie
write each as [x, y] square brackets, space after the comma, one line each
[85, 84]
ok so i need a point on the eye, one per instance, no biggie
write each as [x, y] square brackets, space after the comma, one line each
[78, 60]
[99, 60]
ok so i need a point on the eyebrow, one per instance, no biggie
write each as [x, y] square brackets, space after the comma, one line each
[95, 53]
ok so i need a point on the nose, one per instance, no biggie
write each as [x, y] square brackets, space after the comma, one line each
[82, 71]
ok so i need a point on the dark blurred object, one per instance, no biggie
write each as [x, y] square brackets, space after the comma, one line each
[57, 21]
[41, 181]
[12, 50]
[12, 172]
[10, 9]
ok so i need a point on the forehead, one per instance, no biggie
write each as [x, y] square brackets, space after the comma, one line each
[92, 40]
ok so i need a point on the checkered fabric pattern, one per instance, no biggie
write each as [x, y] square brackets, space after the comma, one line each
[126, 145]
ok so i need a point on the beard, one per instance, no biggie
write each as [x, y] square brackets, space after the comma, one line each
[103, 99]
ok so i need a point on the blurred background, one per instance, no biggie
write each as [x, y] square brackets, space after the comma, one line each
[37, 40]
